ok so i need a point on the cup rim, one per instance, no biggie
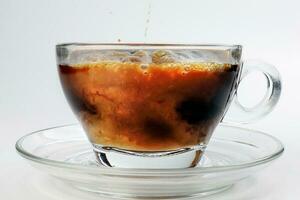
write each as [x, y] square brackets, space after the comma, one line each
[119, 45]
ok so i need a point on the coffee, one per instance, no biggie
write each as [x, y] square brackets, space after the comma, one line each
[159, 106]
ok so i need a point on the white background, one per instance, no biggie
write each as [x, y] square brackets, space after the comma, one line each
[31, 97]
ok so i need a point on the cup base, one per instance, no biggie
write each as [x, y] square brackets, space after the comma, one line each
[181, 158]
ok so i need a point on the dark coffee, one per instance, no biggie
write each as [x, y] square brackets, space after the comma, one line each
[153, 107]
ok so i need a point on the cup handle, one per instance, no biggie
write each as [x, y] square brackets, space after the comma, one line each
[241, 114]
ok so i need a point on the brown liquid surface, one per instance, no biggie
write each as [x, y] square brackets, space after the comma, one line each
[157, 107]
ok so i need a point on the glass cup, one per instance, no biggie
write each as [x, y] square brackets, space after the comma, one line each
[157, 105]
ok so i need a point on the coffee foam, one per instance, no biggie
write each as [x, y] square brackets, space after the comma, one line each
[185, 67]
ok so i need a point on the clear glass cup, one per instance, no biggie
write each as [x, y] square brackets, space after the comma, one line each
[157, 103]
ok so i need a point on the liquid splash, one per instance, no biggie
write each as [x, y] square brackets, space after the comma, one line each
[148, 15]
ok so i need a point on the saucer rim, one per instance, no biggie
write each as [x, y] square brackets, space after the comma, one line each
[161, 172]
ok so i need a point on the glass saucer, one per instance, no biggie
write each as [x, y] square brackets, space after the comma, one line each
[233, 154]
